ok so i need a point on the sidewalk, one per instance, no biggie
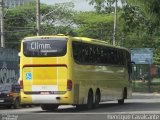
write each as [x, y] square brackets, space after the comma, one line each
[146, 94]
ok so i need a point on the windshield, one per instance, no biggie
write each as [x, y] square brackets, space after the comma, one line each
[5, 88]
[45, 48]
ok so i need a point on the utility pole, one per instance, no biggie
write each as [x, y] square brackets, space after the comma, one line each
[2, 23]
[115, 24]
[38, 17]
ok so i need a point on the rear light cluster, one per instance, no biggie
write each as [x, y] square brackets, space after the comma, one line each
[69, 85]
[21, 84]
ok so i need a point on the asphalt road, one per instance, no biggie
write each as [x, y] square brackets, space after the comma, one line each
[139, 104]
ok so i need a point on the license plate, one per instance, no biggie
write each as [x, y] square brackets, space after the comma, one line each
[44, 93]
[1, 101]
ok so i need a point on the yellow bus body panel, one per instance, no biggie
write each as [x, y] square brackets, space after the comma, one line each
[111, 80]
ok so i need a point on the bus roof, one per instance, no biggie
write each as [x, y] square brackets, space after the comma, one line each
[45, 37]
[82, 39]
[101, 42]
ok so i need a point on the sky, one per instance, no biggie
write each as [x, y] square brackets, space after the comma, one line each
[81, 5]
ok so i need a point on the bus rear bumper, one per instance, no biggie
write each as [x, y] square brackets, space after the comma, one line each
[46, 99]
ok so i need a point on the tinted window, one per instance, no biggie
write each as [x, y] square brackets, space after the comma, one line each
[45, 48]
[84, 53]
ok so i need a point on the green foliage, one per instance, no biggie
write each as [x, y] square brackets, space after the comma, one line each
[139, 86]
[102, 6]
[141, 20]
[150, 8]
[94, 25]
[58, 18]
[138, 23]
[21, 21]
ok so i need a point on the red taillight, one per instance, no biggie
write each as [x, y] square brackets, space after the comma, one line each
[21, 84]
[69, 85]
[10, 94]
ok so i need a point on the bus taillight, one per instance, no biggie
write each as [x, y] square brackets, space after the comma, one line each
[69, 85]
[21, 84]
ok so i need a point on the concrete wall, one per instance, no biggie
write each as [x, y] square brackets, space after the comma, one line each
[9, 62]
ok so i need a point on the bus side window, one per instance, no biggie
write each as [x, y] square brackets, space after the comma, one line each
[77, 52]
[129, 63]
[94, 54]
[106, 56]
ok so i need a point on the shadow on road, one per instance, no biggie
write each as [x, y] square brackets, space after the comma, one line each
[109, 108]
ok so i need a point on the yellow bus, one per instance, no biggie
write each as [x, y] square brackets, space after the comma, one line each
[64, 70]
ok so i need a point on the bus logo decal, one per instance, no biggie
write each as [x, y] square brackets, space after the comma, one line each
[29, 76]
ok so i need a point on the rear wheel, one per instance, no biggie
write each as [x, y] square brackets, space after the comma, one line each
[80, 107]
[97, 98]
[121, 101]
[9, 106]
[90, 100]
[49, 107]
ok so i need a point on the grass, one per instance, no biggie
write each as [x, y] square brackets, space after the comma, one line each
[139, 86]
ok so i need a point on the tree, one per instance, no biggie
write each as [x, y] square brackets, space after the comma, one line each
[150, 8]
[102, 6]
[149, 25]
[20, 21]
[60, 19]
[138, 23]
[94, 25]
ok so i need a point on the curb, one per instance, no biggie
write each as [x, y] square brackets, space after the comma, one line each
[146, 94]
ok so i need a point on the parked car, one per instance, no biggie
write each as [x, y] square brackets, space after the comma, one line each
[9, 95]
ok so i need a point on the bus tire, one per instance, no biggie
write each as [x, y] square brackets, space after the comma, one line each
[97, 98]
[80, 107]
[9, 106]
[90, 100]
[121, 101]
[49, 107]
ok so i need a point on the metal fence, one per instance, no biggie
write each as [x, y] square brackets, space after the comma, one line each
[146, 78]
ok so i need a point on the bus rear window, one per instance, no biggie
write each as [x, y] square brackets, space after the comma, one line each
[44, 48]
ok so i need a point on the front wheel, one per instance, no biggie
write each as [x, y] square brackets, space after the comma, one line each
[16, 104]
[9, 106]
